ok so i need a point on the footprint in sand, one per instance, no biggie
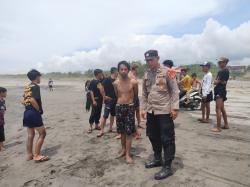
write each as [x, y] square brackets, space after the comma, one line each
[13, 144]
[32, 183]
[90, 167]
[177, 164]
[61, 120]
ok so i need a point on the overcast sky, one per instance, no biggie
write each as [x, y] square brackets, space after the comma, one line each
[75, 35]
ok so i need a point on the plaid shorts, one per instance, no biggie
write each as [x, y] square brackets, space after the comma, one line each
[125, 118]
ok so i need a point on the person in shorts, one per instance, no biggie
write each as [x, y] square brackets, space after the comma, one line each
[126, 90]
[109, 100]
[220, 94]
[32, 117]
[3, 94]
[206, 92]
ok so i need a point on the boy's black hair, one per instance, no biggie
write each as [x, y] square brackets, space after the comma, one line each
[125, 63]
[113, 70]
[97, 71]
[184, 69]
[168, 63]
[33, 74]
[3, 90]
[194, 75]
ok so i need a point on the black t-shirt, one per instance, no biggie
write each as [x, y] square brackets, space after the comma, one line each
[108, 87]
[37, 95]
[95, 86]
[223, 75]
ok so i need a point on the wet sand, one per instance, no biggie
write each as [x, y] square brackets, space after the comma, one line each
[81, 159]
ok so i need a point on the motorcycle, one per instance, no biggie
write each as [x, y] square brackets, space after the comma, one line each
[191, 100]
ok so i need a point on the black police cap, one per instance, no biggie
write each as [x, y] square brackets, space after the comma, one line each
[150, 54]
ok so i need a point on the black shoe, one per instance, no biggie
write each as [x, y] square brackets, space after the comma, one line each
[164, 173]
[154, 163]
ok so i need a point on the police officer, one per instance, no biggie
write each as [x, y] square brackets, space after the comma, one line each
[160, 101]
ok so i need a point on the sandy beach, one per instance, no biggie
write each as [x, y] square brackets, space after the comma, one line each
[80, 159]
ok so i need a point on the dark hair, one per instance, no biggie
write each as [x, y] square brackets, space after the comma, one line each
[168, 63]
[194, 75]
[113, 70]
[184, 69]
[3, 90]
[33, 74]
[125, 63]
[97, 71]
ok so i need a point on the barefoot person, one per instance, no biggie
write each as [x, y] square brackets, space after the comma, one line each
[206, 92]
[3, 94]
[109, 100]
[160, 100]
[32, 118]
[126, 90]
[220, 94]
[96, 91]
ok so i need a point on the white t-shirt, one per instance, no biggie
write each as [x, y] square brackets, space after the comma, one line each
[206, 84]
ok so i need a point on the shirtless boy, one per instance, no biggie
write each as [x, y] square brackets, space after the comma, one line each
[126, 90]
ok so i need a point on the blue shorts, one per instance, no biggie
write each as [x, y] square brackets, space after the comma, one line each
[109, 109]
[32, 118]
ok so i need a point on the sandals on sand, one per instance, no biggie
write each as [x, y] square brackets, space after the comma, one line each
[100, 135]
[98, 128]
[111, 131]
[41, 158]
[216, 130]
[90, 131]
[203, 120]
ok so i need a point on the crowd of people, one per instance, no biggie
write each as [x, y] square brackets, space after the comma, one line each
[189, 84]
[158, 105]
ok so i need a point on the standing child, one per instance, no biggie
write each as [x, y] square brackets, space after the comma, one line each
[3, 94]
[206, 91]
[220, 94]
[32, 118]
[96, 93]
